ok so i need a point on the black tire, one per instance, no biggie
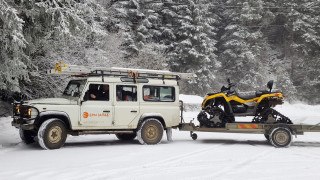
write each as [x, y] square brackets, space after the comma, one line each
[52, 134]
[267, 137]
[280, 137]
[126, 137]
[27, 136]
[150, 132]
[194, 136]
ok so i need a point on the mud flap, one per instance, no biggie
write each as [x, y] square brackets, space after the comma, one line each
[169, 134]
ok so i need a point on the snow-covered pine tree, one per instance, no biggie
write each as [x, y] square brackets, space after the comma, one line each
[303, 48]
[14, 62]
[194, 47]
[243, 44]
[53, 31]
[149, 37]
[130, 12]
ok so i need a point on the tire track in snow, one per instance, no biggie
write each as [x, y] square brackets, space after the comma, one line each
[162, 164]
[238, 166]
[308, 154]
[114, 173]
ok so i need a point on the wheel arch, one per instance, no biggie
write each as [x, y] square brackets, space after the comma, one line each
[157, 116]
[43, 116]
[218, 99]
[281, 125]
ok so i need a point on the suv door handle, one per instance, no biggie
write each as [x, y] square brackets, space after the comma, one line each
[134, 111]
[106, 111]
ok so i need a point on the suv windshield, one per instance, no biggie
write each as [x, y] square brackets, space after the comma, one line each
[74, 88]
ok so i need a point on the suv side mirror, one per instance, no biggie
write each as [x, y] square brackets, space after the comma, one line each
[270, 84]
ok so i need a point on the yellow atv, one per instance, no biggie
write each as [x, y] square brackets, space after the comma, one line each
[221, 108]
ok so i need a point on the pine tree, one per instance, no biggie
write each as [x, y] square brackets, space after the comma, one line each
[193, 49]
[304, 46]
[37, 34]
[243, 44]
[14, 62]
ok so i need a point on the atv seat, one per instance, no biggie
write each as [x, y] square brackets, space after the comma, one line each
[261, 92]
[247, 96]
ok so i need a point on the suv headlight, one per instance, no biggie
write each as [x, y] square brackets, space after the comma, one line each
[16, 110]
[28, 112]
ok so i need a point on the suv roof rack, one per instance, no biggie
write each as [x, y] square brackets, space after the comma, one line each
[84, 71]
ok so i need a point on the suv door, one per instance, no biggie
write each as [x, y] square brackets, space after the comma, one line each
[96, 108]
[126, 105]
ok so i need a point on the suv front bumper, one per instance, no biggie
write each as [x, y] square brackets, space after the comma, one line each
[20, 124]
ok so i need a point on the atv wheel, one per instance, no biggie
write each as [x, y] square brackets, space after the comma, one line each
[126, 137]
[52, 134]
[271, 116]
[150, 132]
[212, 118]
[281, 137]
[27, 136]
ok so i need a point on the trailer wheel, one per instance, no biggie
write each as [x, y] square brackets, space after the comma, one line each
[194, 136]
[126, 137]
[280, 137]
[150, 132]
[27, 136]
[52, 134]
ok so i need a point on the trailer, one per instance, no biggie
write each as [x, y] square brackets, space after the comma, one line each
[279, 135]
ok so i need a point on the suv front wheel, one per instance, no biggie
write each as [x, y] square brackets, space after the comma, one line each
[150, 132]
[52, 134]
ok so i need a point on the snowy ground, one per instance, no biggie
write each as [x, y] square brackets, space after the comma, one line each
[212, 156]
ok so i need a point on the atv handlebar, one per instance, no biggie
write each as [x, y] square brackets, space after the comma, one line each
[228, 89]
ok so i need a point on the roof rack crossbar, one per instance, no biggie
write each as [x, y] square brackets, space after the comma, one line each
[62, 68]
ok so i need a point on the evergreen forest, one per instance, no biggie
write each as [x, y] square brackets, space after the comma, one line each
[248, 41]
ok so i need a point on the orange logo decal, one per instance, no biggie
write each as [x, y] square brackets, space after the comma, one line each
[85, 114]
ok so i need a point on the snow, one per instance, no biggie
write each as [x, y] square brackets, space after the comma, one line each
[190, 99]
[212, 156]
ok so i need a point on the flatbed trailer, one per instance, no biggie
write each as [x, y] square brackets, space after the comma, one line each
[279, 135]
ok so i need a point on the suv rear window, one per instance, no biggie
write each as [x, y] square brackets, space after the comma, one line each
[159, 93]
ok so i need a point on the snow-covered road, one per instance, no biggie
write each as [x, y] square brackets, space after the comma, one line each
[212, 156]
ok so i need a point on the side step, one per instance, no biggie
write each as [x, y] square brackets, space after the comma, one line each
[77, 133]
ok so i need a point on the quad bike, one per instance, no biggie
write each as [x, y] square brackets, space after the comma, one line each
[221, 108]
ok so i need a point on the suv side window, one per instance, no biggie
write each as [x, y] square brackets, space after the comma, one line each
[158, 93]
[126, 93]
[98, 92]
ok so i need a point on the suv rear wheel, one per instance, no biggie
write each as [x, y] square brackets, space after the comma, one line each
[52, 134]
[150, 132]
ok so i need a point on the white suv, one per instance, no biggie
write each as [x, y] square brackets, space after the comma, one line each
[127, 106]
